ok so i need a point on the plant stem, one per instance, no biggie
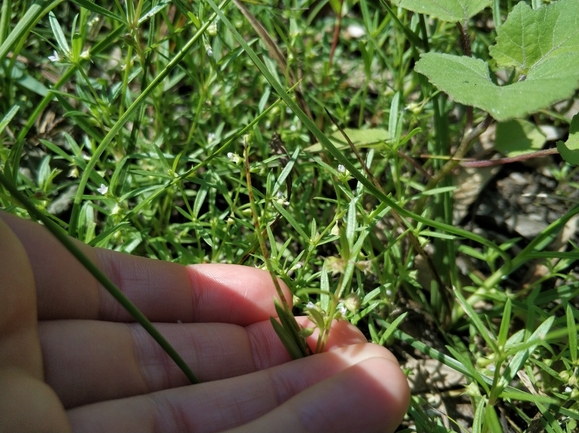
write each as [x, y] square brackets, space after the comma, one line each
[452, 163]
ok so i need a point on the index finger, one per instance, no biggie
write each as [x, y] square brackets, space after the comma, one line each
[163, 291]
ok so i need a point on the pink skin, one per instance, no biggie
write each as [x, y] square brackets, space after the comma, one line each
[72, 359]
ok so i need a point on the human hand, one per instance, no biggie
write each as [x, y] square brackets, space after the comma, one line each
[72, 359]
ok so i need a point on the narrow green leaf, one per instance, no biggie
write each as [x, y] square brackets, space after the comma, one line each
[391, 328]
[477, 422]
[291, 331]
[438, 235]
[465, 361]
[8, 117]
[34, 13]
[521, 356]
[286, 339]
[505, 324]
[477, 322]
[99, 10]
[58, 34]
[325, 300]
[410, 35]
[492, 423]
[572, 333]
[373, 333]
[285, 172]
[154, 10]
[393, 117]
[316, 316]
[525, 396]
[33, 84]
[290, 219]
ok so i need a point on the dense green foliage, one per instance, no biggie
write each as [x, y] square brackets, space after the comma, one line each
[128, 126]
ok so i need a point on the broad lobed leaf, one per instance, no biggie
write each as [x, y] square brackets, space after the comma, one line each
[531, 37]
[552, 67]
[446, 10]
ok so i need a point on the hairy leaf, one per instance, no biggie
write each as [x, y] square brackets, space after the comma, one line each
[552, 68]
[531, 37]
[446, 10]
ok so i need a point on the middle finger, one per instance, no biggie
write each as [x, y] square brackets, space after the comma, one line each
[89, 361]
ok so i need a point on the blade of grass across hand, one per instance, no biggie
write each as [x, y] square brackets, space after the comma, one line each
[100, 277]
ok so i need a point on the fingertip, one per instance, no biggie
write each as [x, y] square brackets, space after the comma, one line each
[233, 293]
[342, 333]
[371, 396]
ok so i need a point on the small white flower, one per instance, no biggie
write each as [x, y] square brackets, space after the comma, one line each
[297, 266]
[335, 230]
[342, 309]
[209, 51]
[103, 189]
[355, 31]
[341, 168]
[389, 292]
[310, 305]
[415, 107]
[55, 57]
[234, 157]
[568, 389]
[85, 55]
[212, 29]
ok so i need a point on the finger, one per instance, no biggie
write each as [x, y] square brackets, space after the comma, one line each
[18, 335]
[90, 361]
[26, 402]
[215, 406]
[371, 396]
[164, 292]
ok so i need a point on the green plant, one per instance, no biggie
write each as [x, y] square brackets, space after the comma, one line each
[150, 131]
